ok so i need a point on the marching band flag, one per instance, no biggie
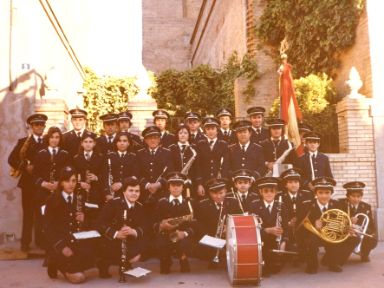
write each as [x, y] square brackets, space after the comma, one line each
[289, 108]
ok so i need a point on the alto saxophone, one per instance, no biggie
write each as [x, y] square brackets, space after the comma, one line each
[177, 221]
[15, 172]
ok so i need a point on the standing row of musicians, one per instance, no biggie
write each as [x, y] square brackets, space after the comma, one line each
[105, 162]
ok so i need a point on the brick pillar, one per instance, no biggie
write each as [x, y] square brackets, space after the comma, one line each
[355, 125]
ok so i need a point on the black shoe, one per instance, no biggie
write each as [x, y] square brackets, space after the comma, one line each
[184, 266]
[335, 268]
[365, 258]
[311, 270]
[165, 266]
[103, 270]
[213, 265]
[52, 271]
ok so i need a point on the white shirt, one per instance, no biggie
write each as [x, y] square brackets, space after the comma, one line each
[171, 198]
[81, 132]
[224, 130]
[241, 194]
[217, 205]
[321, 206]
[37, 138]
[121, 153]
[129, 204]
[65, 196]
[245, 145]
[269, 204]
[154, 150]
[112, 139]
[313, 153]
[292, 195]
[186, 144]
[89, 154]
[214, 141]
[50, 149]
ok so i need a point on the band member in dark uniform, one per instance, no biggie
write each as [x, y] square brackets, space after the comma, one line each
[174, 225]
[20, 161]
[154, 162]
[125, 122]
[225, 132]
[184, 155]
[72, 138]
[212, 156]
[276, 146]
[122, 219]
[313, 163]
[160, 119]
[211, 214]
[242, 182]
[274, 231]
[192, 120]
[121, 164]
[64, 215]
[48, 163]
[335, 253]
[303, 128]
[256, 116]
[293, 197]
[244, 154]
[90, 166]
[105, 143]
[353, 205]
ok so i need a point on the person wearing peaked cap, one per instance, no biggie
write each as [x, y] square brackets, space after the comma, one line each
[192, 120]
[65, 214]
[72, 138]
[154, 162]
[21, 166]
[353, 205]
[111, 224]
[160, 120]
[244, 154]
[276, 147]
[256, 116]
[313, 163]
[170, 236]
[105, 142]
[268, 209]
[242, 182]
[225, 131]
[124, 122]
[209, 210]
[293, 197]
[212, 155]
[335, 253]
[303, 128]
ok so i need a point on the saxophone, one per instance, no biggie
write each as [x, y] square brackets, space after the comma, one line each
[177, 221]
[123, 259]
[15, 172]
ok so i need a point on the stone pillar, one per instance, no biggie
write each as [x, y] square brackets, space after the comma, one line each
[376, 46]
[56, 110]
[142, 114]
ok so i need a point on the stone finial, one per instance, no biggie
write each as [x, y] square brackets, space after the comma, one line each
[144, 84]
[354, 84]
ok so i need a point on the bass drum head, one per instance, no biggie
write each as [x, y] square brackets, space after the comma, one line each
[231, 252]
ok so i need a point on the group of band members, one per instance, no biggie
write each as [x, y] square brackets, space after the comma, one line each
[159, 194]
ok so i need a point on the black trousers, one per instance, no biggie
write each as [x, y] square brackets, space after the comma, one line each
[29, 214]
[367, 245]
[335, 254]
[273, 262]
[166, 248]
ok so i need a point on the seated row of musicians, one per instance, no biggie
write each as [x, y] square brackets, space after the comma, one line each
[176, 233]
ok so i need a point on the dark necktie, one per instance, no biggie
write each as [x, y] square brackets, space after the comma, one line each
[243, 198]
[225, 133]
[219, 205]
[152, 152]
[183, 148]
[54, 152]
[176, 202]
[294, 199]
[122, 155]
[110, 139]
[193, 136]
[39, 140]
[211, 144]
[353, 210]
[258, 131]
[269, 208]
[87, 156]
[313, 158]
[69, 201]
[243, 148]
[275, 142]
[78, 134]
[324, 209]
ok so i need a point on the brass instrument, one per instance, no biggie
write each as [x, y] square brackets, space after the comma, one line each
[220, 168]
[177, 221]
[123, 260]
[187, 166]
[363, 228]
[335, 228]
[22, 155]
[219, 232]
[79, 201]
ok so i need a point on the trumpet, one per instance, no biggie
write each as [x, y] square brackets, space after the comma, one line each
[123, 259]
[219, 232]
[363, 228]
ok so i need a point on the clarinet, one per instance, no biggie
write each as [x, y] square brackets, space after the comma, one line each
[279, 222]
[110, 177]
[79, 201]
[123, 260]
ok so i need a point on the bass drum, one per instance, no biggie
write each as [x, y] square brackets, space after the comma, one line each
[244, 259]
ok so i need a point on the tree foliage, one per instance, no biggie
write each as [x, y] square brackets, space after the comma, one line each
[202, 88]
[316, 30]
[105, 95]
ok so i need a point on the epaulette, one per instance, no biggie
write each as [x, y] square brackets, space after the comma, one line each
[111, 153]
[264, 141]
[204, 200]
[67, 132]
[232, 145]
[202, 141]
[163, 199]
[306, 191]
[116, 198]
[140, 150]
[256, 200]
[257, 145]
[221, 141]
[138, 203]
[43, 150]
[133, 154]
[166, 149]
[307, 201]
[64, 151]
[171, 145]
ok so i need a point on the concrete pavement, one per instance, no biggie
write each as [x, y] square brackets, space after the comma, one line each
[29, 273]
